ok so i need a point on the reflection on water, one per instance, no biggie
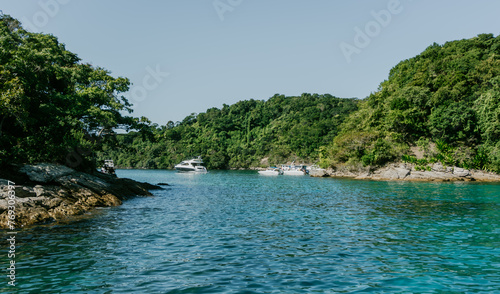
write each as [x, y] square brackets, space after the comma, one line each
[236, 232]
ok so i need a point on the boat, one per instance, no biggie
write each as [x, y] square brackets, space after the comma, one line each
[192, 165]
[108, 167]
[271, 171]
[294, 170]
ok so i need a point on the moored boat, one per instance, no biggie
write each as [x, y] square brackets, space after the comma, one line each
[294, 170]
[271, 171]
[108, 167]
[191, 165]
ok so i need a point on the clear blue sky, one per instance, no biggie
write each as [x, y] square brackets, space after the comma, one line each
[213, 52]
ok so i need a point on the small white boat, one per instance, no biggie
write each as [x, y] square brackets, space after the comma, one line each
[191, 165]
[294, 170]
[108, 167]
[271, 171]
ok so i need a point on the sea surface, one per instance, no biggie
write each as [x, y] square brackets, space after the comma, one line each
[238, 232]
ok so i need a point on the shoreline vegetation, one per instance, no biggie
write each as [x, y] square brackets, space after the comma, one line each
[440, 106]
[436, 117]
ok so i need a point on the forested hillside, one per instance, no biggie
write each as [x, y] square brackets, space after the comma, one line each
[445, 101]
[442, 105]
[54, 107]
[239, 136]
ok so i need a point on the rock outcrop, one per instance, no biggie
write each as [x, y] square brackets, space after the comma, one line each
[408, 172]
[49, 192]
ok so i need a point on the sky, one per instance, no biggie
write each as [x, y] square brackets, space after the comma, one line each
[184, 57]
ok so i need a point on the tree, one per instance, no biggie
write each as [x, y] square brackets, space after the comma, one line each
[50, 102]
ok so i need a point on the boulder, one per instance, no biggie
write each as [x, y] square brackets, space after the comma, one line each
[460, 172]
[318, 173]
[438, 167]
[393, 173]
[48, 192]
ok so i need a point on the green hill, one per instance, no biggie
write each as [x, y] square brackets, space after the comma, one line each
[445, 100]
[52, 105]
[239, 136]
[442, 105]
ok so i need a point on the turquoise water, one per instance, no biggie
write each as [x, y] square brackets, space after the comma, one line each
[238, 232]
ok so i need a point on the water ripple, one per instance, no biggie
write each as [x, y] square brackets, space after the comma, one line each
[236, 232]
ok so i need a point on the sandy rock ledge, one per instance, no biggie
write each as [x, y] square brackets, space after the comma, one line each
[407, 172]
[49, 192]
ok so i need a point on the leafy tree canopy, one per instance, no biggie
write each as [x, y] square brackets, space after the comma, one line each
[248, 133]
[50, 102]
[449, 94]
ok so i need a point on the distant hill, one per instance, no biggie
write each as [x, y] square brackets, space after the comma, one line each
[445, 101]
[442, 105]
[240, 135]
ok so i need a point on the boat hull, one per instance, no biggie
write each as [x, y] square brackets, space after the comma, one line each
[192, 165]
[187, 169]
[269, 173]
[294, 173]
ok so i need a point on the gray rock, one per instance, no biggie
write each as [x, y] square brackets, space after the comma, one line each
[460, 172]
[431, 176]
[3, 204]
[483, 176]
[393, 173]
[38, 189]
[318, 173]
[45, 172]
[438, 167]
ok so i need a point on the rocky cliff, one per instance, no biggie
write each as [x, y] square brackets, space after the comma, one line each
[47, 192]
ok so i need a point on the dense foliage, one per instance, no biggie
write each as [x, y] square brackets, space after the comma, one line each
[248, 133]
[53, 108]
[442, 105]
[445, 101]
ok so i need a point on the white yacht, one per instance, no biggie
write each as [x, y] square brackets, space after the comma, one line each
[191, 165]
[271, 171]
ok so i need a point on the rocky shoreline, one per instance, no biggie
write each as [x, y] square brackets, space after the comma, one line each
[48, 192]
[409, 172]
